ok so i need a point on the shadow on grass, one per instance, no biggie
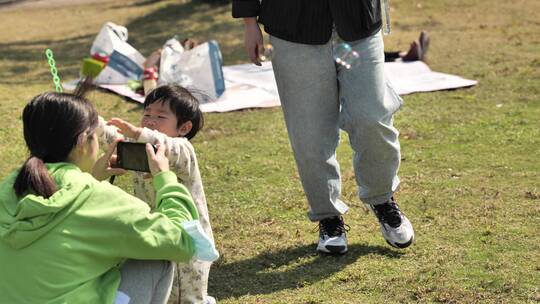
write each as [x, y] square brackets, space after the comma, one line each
[28, 63]
[138, 3]
[25, 61]
[194, 19]
[290, 268]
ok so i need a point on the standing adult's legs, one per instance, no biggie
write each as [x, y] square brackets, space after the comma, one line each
[307, 84]
[368, 103]
[367, 117]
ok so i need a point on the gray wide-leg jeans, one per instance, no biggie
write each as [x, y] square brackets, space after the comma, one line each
[318, 99]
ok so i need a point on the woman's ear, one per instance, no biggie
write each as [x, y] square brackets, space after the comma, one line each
[78, 150]
[185, 128]
[84, 143]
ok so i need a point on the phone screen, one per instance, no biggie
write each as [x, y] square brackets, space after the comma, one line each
[132, 156]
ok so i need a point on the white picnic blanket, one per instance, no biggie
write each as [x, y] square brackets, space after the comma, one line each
[416, 76]
[250, 86]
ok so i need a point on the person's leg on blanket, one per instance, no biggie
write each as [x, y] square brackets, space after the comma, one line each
[417, 50]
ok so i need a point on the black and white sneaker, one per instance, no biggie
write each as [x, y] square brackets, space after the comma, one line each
[395, 226]
[333, 235]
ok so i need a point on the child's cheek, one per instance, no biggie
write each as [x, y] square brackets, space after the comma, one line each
[146, 124]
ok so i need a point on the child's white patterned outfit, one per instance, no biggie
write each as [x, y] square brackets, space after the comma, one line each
[191, 279]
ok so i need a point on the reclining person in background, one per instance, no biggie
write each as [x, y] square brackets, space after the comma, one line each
[417, 50]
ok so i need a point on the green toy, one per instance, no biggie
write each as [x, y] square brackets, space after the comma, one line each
[91, 67]
[54, 71]
[135, 85]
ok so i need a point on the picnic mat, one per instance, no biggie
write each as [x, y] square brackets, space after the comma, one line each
[250, 86]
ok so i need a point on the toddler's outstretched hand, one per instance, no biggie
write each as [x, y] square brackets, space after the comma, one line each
[126, 128]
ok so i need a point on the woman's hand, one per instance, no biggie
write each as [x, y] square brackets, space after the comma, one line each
[253, 40]
[104, 166]
[157, 161]
[126, 128]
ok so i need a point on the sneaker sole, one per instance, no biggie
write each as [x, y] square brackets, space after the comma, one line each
[401, 245]
[333, 249]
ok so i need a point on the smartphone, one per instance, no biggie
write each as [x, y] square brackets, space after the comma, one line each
[132, 156]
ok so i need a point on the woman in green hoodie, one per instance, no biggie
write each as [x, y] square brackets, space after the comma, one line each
[65, 233]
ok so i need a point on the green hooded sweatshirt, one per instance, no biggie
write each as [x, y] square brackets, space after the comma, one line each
[67, 248]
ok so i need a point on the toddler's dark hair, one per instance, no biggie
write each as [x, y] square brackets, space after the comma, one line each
[182, 103]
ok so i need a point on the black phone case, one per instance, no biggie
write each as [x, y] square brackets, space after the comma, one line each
[132, 156]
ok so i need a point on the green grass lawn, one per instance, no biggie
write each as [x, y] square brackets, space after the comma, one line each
[470, 171]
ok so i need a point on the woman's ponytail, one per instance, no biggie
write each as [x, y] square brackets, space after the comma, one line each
[34, 176]
[52, 125]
